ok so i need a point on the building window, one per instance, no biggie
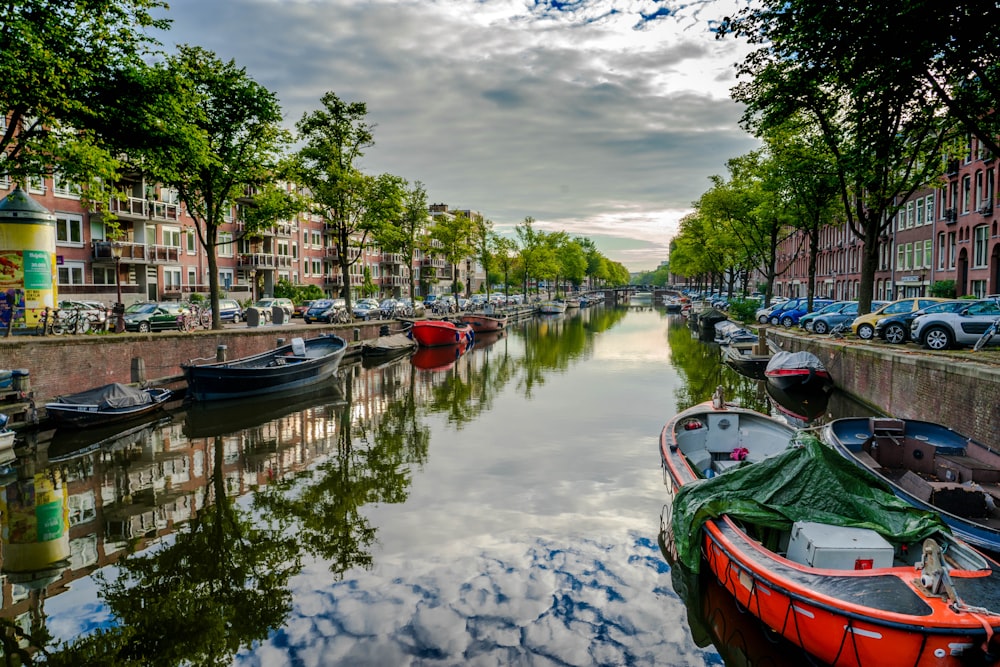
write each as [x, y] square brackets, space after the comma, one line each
[69, 230]
[977, 288]
[172, 237]
[900, 257]
[225, 248]
[928, 253]
[172, 278]
[192, 277]
[191, 241]
[952, 250]
[929, 209]
[966, 193]
[226, 279]
[980, 246]
[36, 185]
[104, 275]
[71, 273]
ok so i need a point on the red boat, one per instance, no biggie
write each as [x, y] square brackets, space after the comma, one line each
[483, 322]
[825, 557]
[438, 358]
[434, 333]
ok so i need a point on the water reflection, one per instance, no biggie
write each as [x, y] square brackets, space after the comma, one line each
[496, 510]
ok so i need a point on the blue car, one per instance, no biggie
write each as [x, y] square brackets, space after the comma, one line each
[787, 306]
[790, 317]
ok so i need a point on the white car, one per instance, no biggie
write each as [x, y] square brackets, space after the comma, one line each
[940, 331]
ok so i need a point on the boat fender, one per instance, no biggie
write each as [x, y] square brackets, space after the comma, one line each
[934, 576]
[693, 425]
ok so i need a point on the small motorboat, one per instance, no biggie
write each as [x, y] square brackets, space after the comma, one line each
[552, 307]
[434, 333]
[749, 358]
[298, 364]
[819, 551]
[931, 467]
[794, 372]
[7, 435]
[485, 322]
[109, 404]
[388, 345]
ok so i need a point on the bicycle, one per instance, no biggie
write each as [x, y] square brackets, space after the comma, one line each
[839, 330]
[984, 340]
[72, 322]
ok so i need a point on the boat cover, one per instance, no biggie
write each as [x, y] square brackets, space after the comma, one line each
[807, 482]
[109, 396]
[794, 360]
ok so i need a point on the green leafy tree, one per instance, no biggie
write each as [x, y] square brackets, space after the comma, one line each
[356, 207]
[505, 255]
[453, 234]
[229, 139]
[405, 235]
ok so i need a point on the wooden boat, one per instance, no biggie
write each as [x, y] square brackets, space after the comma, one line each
[110, 404]
[7, 435]
[434, 333]
[822, 553]
[749, 358]
[797, 372]
[930, 466]
[298, 364]
[552, 307]
[485, 322]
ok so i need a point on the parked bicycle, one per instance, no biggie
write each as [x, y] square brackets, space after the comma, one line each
[991, 331]
[73, 321]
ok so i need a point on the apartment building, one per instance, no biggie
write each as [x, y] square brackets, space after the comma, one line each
[945, 233]
[157, 256]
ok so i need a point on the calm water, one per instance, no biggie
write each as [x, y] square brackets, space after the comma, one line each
[501, 508]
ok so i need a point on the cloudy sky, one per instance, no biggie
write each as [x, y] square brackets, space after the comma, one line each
[601, 118]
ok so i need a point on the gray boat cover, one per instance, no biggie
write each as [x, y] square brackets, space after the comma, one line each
[793, 360]
[109, 396]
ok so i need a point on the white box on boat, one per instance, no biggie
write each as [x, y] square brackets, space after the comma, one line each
[838, 547]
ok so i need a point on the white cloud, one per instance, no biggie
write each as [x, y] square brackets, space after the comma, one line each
[583, 115]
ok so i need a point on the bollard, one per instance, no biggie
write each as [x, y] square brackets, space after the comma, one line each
[220, 352]
[357, 334]
[253, 317]
[279, 342]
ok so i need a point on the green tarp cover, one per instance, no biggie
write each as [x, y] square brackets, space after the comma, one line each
[811, 482]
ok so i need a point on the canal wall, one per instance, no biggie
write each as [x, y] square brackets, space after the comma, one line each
[960, 389]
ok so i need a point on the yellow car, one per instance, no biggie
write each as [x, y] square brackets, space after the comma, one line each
[863, 326]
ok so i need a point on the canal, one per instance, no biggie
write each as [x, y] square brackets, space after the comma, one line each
[498, 508]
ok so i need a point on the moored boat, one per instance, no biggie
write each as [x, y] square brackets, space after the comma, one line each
[109, 404]
[388, 345]
[930, 466]
[552, 307]
[434, 333]
[797, 372]
[298, 364]
[485, 322]
[749, 358]
[822, 553]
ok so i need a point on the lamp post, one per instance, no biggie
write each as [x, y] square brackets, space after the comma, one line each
[116, 251]
[253, 285]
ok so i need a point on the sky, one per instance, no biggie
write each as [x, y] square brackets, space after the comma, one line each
[599, 118]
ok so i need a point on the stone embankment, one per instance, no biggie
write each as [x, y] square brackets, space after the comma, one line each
[957, 388]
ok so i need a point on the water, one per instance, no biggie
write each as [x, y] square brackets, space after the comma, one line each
[501, 508]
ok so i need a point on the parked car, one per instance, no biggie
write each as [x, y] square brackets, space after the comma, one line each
[763, 315]
[366, 309]
[940, 331]
[154, 316]
[775, 317]
[895, 329]
[864, 325]
[429, 301]
[841, 319]
[301, 308]
[230, 311]
[835, 307]
[265, 307]
[324, 310]
[387, 308]
[417, 306]
[790, 317]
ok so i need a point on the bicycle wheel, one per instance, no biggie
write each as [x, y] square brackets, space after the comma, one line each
[985, 338]
[205, 318]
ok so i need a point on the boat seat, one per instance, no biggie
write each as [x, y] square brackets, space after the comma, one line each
[723, 432]
[722, 465]
[298, 347]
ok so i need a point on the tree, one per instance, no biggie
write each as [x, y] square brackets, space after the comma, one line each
[405, 236]
[56, 59]
[484, 247]
[356, 207]
[228, 142]
[505, 252]
[453, 234]
[882, 126]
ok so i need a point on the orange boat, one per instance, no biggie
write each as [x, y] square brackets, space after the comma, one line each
[822, 553]
[432, 333]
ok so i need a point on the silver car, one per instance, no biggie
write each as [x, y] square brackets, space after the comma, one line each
[940, 331]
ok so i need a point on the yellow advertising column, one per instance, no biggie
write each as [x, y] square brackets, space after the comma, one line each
[35, 526]
[27, 259]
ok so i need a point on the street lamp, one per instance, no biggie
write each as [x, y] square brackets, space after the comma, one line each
[116, 251]
[253, 285]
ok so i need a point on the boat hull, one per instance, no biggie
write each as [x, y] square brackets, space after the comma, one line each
[436, 333]
[941, 449]
[265, 373]
[91, 416]
[485, 323]
[846, 617]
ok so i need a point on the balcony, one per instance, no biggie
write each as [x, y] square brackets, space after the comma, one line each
[337, 280]
[257, 260]
[951, 215]
[391, 259]
[951, 167]
[284, 229]
[986, 208]
[332, 254]
[138, 208]
[135, 253]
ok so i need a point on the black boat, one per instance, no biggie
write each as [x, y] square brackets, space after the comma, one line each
[298, 364]
[798, 372]
[110, 404]
[749, 359]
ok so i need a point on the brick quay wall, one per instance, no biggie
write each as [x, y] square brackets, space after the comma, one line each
[957, 388]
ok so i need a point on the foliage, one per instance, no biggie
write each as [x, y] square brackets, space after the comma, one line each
[743, 310]
[405, 235]
[357, 207]
[453, 234]
[227, 138]
[943, 288]
[297, 293]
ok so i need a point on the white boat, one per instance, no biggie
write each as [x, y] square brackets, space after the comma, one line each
[552, 307]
